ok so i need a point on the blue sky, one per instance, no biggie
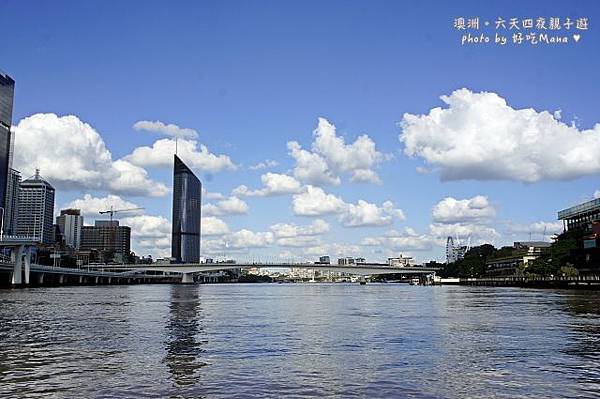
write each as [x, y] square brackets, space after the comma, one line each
[251, 76]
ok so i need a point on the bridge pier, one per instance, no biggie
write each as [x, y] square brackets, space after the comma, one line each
[21, 257]
[187, 278]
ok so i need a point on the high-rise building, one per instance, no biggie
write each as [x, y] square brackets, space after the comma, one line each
[7, 89]
[69, 225]
[11, 206]
[187, 199]
[107, 237]
[36, 209]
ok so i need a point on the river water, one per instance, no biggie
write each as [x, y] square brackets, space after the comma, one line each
[298, 340]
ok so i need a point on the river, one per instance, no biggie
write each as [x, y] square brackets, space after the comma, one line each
[298, 340]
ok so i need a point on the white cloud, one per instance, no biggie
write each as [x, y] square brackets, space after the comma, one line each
[451, 210]
[264, 165]
[90, 206]
[274, 184]
[171, 130]
[332, 157]
[311, 168]
[334, 250]
[227, 206]
[212, 226]
[479, 233]
[211, 195]
[396, 242]
[315, 202]
[368, 214]
[149, 234]
[541, 227]
[299, 241]
[286, 230]
[73, 156]
[479, 136]
[241, 240]
[195, 155]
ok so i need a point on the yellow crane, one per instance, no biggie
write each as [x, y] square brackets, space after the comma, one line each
[112, 211]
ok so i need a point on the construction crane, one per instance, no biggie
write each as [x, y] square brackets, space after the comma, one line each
[112, 211]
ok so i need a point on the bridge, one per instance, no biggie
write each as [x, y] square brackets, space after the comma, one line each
[187, 270]
[20, 268]
[22, 271]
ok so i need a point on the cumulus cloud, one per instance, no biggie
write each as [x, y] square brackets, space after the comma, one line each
[195, 155]
[238, 241]
[368, 214]
[171, 130]
[264, 165]
[477, 232]
[451, 210]
[541, 227]
[334, 250]
[149, 234]
[227, 206]
[479, 136]
[73, 156]
[90, 206]
[464, 219]
[395, 242]
[310, 167]
[273, 184]
[331, 157]
[314, 201]
[212, 226]
[290, 230]
[292, 235]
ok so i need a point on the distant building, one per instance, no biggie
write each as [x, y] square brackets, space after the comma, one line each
[7, 89]
[523, 253]
[360, 260]
[69, 225]
[109, 238]
[187, 200]
[36, 209]
[11, 206]
[580, 217]
[401, 261]
[346, 261]
[324, 260]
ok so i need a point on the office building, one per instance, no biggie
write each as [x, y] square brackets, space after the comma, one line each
[69, 225]
[187, 199]
[36, 209]
[110, 239]
[11, 206]
[580, 217]
[7, 88]
[324, 260]
[347, 261]
[401, 261]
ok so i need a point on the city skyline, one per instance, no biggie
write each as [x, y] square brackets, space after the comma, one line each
[324, 165]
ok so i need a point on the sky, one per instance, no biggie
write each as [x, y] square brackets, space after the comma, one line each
[341, 128]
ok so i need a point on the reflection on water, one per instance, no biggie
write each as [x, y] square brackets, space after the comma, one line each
[184, 328]
[304, 340]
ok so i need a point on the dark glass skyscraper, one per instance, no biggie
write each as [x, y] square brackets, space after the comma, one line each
[7, 89]
[187, 199]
